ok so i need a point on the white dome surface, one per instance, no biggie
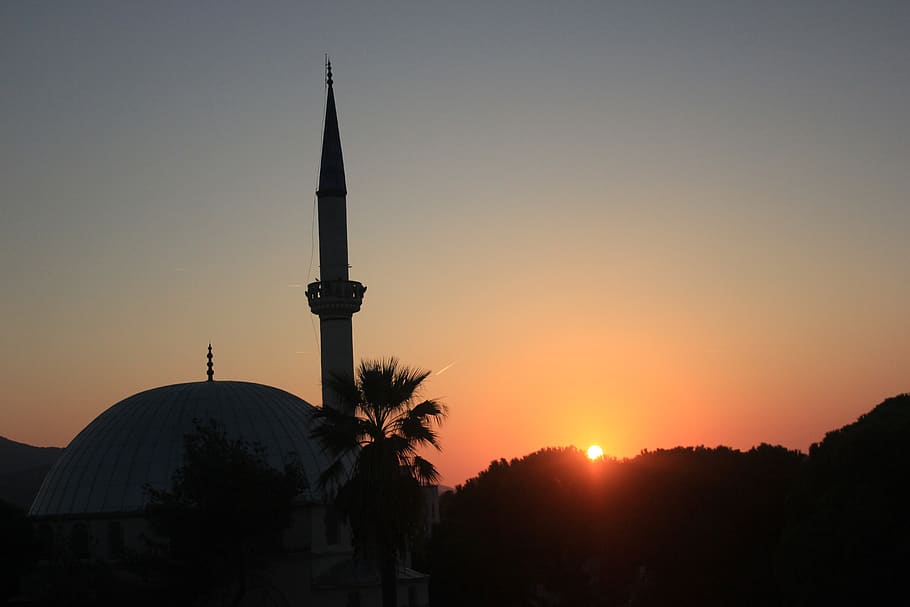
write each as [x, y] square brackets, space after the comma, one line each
[139, 441]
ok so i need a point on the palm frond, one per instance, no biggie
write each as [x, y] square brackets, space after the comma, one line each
[417, 430]
[400, 447]
[430, 408]
[333, 477]
[406, 383]
[387, 385]
[338, 432]
[418, 423]
[347, 390]
[425, 471]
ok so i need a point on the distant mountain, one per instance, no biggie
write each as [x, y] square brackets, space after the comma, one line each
[22, 469]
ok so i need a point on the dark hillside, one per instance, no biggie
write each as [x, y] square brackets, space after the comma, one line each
[687, 526]
[22, 469]
[848, 535]
[15, 456]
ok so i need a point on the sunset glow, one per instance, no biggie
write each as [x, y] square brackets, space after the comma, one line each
[595, 452]
[641, 224]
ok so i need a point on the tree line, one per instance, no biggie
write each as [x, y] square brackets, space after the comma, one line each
[684, 526]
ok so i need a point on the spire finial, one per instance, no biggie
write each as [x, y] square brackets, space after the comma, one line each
[328, 70]
[211, 370]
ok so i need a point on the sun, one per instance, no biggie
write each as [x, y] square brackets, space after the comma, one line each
[595, 452]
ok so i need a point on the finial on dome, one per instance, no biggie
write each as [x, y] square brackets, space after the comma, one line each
[328, 70]
[211, 370]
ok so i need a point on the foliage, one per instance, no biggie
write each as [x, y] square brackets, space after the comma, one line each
[686, 526]
[224, 516]
[848, 536]
[374, 436]
[18, 548]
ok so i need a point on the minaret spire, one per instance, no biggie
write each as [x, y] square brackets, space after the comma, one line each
[335, 298]
[331, 168]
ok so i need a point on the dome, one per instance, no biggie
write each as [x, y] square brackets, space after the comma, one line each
[139, 442]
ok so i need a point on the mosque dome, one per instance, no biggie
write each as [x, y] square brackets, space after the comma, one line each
[139, 441]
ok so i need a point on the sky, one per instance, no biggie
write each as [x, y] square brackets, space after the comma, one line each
[635, 224]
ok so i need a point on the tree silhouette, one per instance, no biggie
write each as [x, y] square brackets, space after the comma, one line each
[847, 540]
[376, 474]
[17, 550]
[224, 516]
[685, 526]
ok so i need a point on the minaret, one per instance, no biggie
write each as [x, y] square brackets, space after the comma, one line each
[334, 298]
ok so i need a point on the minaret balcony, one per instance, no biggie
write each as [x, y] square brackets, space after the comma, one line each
[335, 298]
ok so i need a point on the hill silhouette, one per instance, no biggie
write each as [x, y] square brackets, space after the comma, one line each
[685, 526]
[22, 469]
[847, 538]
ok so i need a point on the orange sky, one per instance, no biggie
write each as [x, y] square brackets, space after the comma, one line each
[638, 227]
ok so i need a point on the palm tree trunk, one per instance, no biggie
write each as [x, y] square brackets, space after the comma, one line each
[388, 576]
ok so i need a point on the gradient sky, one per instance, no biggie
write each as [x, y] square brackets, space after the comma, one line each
[638, 224]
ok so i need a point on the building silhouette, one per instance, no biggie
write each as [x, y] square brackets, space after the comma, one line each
[92, 504]
[334, 298]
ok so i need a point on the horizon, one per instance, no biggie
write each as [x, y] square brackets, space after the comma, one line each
[635, 227]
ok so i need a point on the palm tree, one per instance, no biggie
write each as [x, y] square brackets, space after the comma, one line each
[376, 475]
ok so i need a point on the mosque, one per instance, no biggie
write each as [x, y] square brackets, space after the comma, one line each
[92, 503]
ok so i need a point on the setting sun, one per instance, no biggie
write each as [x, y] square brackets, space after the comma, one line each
[595, 452]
